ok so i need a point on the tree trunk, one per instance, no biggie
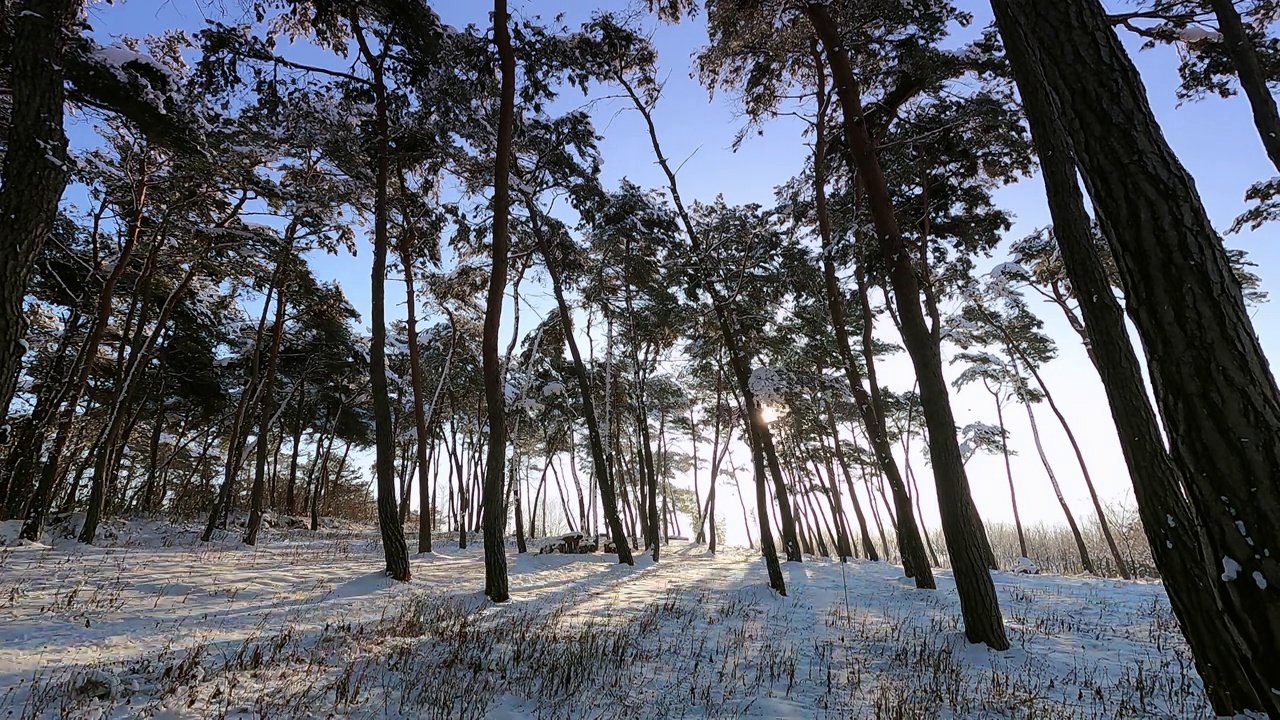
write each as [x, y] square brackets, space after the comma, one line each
[84, 365]
[600, 463]
[966, 539]
[495, 554]
[774, 570]
[650, 478]
[1238, 667]
[256, 499]
[290, 493]
[757, 428]
[22, 463]
[221, 506]
[1057, 492]
[1008, 471]
[1105, 526]
[868, 546]
[1253, 80]
[394, 548]
[36, 167]
[914, 562]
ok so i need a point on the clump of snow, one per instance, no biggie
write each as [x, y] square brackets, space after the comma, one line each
[767, 385]
[1024, 566]
[1230, 568]
[553, 388]
[1192, 35]
[1008, 271]
[1260, 580]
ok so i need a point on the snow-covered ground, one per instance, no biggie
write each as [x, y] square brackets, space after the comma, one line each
[305, 625]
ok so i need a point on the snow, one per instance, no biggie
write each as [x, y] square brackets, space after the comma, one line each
[767, 385]
[1260, 580]
[1198, 34]
[116, 56]
[1025, 566]
[1008, 271]
[156, 624]
[1230, 568]
[553, 388]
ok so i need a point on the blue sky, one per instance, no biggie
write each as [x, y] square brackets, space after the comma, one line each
[1214, 138]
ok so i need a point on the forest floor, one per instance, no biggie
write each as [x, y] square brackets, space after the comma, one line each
[152, 623]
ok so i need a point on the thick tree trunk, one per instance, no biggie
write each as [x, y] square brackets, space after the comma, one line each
[911, 546]
[394, 548]
[1237, 666]
[35, 170]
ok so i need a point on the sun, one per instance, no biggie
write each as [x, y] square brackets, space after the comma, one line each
[769, 413]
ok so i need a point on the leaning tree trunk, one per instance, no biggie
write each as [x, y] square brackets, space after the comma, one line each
[966, 539]
[600, 463]
[495, 554]
[117, 428]
[1253, 80]
[1057, 492]
[1103, 524]
[915, 564]
[1216, 394]
[1008, 471]
[767, 548]
[867, 545]
[756, 428]
[394, 548]
[35, 170]
[256, 494]
[1213, 620]
[415, 380]
[221, 506]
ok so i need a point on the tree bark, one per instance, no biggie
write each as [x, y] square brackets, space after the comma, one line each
[495, 553]
[1238, 667]
[910, 544]
[36, 167]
